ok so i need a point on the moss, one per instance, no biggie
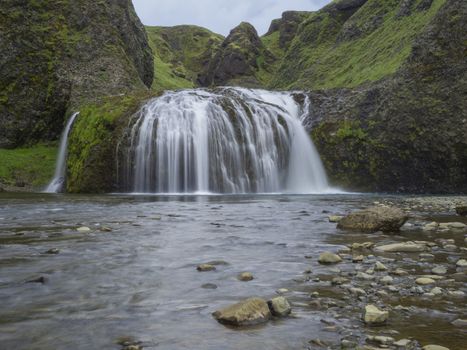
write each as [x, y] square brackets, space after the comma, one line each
[32, 167]
[93, 141]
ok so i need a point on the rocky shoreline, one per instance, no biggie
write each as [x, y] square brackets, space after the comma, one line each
[377, 284]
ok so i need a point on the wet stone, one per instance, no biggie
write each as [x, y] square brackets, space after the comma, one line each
[247, 312]
[209, 286]
[374, 316]
[206, 267]
[245, 276]
[329, 258]
[279, 306]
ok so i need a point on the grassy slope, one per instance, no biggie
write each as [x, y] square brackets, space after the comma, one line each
[27, 166]
[179, 53]
[322, 57]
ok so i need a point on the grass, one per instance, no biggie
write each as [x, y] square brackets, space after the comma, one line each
[33, 166]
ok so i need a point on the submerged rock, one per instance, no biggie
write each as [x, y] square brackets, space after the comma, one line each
[374, 219]
[406, 247]
[461, 210]
[279, 306]
[434, 347]
[245, 276]
[205, 267]
[247, 312]
[374, 316]
[329, 258]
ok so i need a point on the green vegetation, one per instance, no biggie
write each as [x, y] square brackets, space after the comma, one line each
[180, 54]
[26, 167]
[93, 142]
[334, 51]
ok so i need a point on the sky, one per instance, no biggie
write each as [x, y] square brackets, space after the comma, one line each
[220, 16]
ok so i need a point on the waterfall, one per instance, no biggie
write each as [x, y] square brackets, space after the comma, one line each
[56, 185]
[227, 140]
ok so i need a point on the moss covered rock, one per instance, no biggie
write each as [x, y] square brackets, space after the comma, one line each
[56, 54]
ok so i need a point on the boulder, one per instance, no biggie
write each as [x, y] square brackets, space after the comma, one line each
[279, 306]
[245, 313]
[386, 219]
[405, 247]
[374, 316]
[329, 258]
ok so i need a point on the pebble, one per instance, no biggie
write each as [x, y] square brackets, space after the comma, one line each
[83, 229]
[439, 270]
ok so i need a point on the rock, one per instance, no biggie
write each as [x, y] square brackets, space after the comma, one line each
[83, 229]
[357, 291]
[374, 316]
[335, 218]
[459, 323]
[209, 286]
[364, 276]
[380, 339]
[456, 293]
[245, 276]
[52, 251]
[400, 272]
[105, 229]
[386, 219]
[245, 313]
[365, 245]
[433, 226]
[452, 225]
[380, 266]
[461, 263]
[338, 281]
[282, 291]
[329, 258]
[279, 306]
[403, 344]
[358, 259]
[386, 280]
[423, 281]
[205, 267]
[434, 347]
[461, 210]
[436, 291]
[406, 247]
[439, 270]
[41, 280]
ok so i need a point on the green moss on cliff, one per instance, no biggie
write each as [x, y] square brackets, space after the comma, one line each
[27, 167]
[180, 54]
[334, 50]
[93, 142]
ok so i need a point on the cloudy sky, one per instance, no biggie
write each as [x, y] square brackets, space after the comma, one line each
[219, 15]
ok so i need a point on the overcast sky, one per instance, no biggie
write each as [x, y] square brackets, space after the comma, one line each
[219, 16]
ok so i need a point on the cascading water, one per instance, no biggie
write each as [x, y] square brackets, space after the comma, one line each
[229, 140]
[56, 185]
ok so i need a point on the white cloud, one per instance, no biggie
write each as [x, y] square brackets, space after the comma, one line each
[219, 16]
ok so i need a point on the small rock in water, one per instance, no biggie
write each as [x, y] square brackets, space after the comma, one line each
[53, 251]
[406, 247]
[436, 291]
[338, 281]
[461, 263]
[329, 258]
[380, 339]
[247, 312]
[209, 286]
[357, 291]
[380, 266]
[439, 270]
[459, 323]
[400, 272]
[461, 210]
[40, 279]
[434, 347]
[423, 281]
[335, 218]
[404, 344]
[374, 316]
[83, 229]
[205, 267]
[279, 306]
[245, 276]
[386, 280]
[282, 291]
[105, 229]
[358, 259]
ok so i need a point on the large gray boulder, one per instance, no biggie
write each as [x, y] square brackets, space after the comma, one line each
[374, 219]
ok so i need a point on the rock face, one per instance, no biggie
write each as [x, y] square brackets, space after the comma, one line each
[56, 54]
[245, 313]
[237, 60]
[287, 26]
[374, 219]
[374, 316]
